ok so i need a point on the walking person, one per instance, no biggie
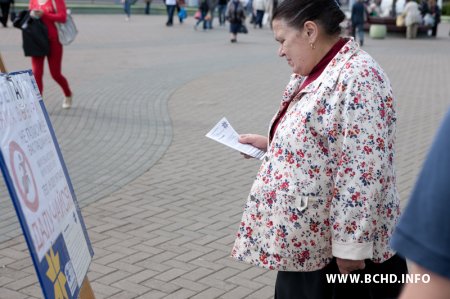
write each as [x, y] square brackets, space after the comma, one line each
[325, 199]
[221, 11]
[170, 8]
[236, 18]
[5, 6]
[259, 7]
[45, 10]
[358, 18]
[147, 6]
[127, 9]
[413, 18]
[204, 11]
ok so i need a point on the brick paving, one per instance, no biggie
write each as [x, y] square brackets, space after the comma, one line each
[161, 201]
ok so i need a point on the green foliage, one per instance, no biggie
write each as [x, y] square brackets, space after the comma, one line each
[446, 9]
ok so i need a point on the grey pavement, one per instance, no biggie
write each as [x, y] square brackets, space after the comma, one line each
[162, 202]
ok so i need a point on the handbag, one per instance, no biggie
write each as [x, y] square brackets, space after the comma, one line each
[400, 21]
[243, 29]
[182, 14]
[66, 31]
[198, 15]
[34, 34]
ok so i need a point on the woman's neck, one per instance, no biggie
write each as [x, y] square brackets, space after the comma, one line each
[42, 2]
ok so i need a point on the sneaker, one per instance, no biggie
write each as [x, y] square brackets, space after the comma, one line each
[67, 103]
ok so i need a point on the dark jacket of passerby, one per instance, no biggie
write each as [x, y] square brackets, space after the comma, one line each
[358, 10]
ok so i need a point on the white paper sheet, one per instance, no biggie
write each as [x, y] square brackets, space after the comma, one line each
[224, 133]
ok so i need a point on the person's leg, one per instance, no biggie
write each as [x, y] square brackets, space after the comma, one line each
[37, 66]
[361, 34]
[354, 30]
[170, 12]
[127, 8]
[434, 30]
[259, 17]
[147, 7]
[55, 66]
[414, 29]
[5, 13]
[409, 32]
[222, 9]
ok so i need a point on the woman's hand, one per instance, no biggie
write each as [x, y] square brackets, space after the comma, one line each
[37, 13]
[347, 266]
[257, 141]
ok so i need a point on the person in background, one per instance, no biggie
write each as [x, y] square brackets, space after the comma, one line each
[181, 4]
[45, 10]
[236, 17]
[204, 10]
[147, 6]
[127, 9]
[170, 8]
[435, 12]
[358, 18]
[221, 9]
[259, 8]
[5, 5]
[325, 198]
[423, 233]
[413, 19]
[212, 4]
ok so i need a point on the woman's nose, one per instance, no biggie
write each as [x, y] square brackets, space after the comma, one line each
[280, 51]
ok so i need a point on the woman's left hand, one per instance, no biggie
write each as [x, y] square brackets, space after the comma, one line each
[347, 266]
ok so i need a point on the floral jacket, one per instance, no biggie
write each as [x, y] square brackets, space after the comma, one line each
[327, 184]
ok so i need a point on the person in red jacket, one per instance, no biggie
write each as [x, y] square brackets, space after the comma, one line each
[46, 11]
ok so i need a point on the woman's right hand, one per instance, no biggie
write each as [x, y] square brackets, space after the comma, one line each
[37, 13]
[257, 141]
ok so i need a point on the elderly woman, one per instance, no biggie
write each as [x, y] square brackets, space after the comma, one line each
[325, 198]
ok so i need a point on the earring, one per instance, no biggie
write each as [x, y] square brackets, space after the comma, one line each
[312, 46]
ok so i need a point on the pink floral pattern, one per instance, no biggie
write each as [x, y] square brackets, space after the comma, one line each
[327, 184]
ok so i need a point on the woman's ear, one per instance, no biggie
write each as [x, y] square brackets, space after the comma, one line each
[311, 30]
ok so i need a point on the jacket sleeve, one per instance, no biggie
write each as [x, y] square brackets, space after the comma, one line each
[60, 15]
[360, 141]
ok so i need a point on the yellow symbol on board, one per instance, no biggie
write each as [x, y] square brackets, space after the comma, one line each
[56, 276]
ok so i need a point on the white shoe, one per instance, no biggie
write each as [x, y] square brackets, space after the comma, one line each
[67, 103]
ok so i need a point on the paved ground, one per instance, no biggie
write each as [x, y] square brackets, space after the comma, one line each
[161, 201]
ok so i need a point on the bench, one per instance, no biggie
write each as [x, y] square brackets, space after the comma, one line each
[391, 25]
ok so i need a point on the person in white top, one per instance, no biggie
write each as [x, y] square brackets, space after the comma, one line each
[413, 18]
[170, 7]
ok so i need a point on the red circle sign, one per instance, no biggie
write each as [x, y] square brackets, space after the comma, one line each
[23, 176]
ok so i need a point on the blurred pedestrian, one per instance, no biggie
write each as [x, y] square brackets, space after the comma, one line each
[423, 233]
[147, 6]
[259, 8]
[5, 5]
[236, 17]
[221, 11]
[127, 9]
[49, 15]
[204, 12]
[325, 198]
[358, 18]
[181, 10]
[212, 4]
[170, 8]
[413, 19]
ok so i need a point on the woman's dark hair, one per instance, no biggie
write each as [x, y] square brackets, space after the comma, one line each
[296, 12]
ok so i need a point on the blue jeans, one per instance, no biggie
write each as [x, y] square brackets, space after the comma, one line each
[170, 12]
[221, 8]
[127, 7]
[360, 28]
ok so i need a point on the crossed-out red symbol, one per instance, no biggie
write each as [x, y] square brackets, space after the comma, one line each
[23, 176]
